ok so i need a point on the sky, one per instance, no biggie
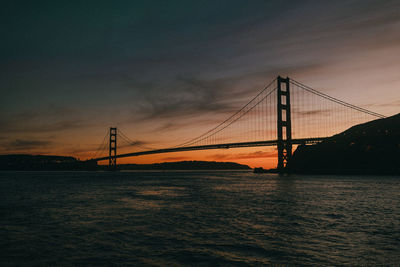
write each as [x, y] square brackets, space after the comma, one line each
[166, 71]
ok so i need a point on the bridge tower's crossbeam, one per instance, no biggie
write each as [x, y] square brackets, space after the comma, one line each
[284, 123]
[112, 161]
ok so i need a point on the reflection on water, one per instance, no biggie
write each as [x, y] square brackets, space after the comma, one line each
[162, 191]
[142, 204]
[197, 218]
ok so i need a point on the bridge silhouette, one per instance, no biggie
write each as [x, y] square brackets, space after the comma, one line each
[283, 114]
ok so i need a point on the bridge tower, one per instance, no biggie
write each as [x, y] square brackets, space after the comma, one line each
[284, 123]
[112, 160]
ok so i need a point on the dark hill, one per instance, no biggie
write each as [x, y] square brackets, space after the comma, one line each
[186, 165]
[369, 148]
[23, 162]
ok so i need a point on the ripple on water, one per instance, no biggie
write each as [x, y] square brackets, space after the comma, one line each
[206, 219]
[142, 204]
[161, 191]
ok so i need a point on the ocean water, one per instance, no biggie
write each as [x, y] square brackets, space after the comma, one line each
[197, 219]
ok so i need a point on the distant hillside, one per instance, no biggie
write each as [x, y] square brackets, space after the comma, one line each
[186, 165]
[53, 163]
[23, 162]
[369, 148]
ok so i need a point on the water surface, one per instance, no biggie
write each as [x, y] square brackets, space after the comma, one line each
[197, 218]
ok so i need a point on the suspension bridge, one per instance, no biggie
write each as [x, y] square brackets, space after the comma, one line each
[285, 113]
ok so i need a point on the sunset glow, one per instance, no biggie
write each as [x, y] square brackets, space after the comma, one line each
[166, 76]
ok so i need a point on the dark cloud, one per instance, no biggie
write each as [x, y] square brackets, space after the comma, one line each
[52, 119]
[181, 98]
[190, 96]
[166, 126]
[134, 144]
[24, 144]
[308, 113]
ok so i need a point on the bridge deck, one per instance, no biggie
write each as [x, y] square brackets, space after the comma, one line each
[217, 146]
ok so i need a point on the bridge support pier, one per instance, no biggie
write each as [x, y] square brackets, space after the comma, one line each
[112, 160]
[284, 123]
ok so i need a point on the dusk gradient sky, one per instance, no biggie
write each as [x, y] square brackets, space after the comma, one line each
[166, 71]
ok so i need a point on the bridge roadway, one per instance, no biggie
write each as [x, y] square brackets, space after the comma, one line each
[217, 146]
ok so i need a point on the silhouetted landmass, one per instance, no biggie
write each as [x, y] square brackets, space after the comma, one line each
[369, 148]
[41, 162]
[55, 163]
[186, 165]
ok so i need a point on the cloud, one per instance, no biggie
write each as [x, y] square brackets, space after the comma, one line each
[193, 97]
[134, 144]
[175, 158]
[51, 119]
[395, 103]
[25, 144]
[180, 98]
[239, 156]
[308, 113]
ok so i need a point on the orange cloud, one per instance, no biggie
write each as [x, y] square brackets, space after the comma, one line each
[251, 155]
